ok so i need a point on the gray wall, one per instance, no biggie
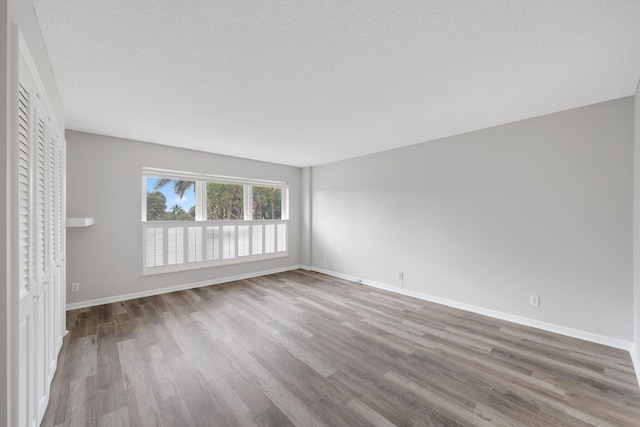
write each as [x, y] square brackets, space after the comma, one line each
[305, 235]
[104, 182]
[18, 12]
[5, 250]
[538, 207]
[636, 235]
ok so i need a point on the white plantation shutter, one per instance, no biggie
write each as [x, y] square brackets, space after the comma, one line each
[153, 246]
[282, 237]
[243, 240]
[195, 244]
[269, 238]
[184, 245]
[228, 242]
[175, 245]
[212, 236]
[256, 231]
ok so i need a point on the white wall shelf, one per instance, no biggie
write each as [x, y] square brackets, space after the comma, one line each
[80, 222]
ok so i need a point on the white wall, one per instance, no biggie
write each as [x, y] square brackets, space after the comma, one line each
[104, 181]
[542, 207]
[18, 12]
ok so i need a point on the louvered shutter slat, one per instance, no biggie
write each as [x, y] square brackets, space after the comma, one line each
[23, 188]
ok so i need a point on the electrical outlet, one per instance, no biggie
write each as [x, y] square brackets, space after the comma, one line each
[75, 287]
[401, 275]
[534, 300]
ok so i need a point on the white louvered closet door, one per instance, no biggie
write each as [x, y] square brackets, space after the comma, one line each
[41, 294]
[40, 241]
[26, 253]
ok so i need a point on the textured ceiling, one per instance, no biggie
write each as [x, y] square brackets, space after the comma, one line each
[304, 82]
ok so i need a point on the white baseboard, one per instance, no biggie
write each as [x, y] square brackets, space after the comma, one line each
[549, 327]
[166, 290]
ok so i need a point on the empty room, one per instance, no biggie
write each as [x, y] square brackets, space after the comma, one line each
[330, 213]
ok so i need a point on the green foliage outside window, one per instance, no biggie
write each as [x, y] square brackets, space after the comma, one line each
[156, 206]
[157, 209]
[157, 201]
[224, 201]
[267, 203]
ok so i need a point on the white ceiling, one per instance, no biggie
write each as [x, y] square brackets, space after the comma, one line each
[307, 82]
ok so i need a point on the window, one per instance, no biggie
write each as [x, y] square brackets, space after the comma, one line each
[193, 221]
[170, 199]
[224, 201]
[266, 203]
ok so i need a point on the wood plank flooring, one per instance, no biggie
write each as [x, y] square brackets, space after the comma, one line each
[305, 349]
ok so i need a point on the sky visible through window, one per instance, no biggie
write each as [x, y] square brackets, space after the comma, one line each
[186, 203]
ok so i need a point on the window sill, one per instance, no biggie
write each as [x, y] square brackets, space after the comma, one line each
[190, 266]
